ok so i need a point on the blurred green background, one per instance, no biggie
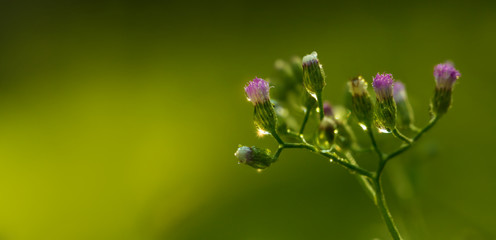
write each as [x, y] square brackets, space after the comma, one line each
[119, 119]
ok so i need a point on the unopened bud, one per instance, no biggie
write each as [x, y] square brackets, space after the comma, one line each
[327, 130]
[313, 74]
[361, 104]
[258, 158]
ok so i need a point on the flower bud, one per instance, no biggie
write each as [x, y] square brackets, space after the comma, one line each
[405, 112]
[328, 110]
[257, 92]
[255, 157]
[385, 111]
[327, 129]
[446, 76]
[313, 74]
[361, 104]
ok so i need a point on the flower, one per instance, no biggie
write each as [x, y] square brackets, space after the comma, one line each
[255, 157]
[445, 75]
[313, 74]
[264, 115]
[361, 104]
[257, 91]
[383, 86]
[385, 111]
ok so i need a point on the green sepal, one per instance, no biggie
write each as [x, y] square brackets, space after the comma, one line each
[385, 114]
[362, 108]
[441, 102]
[313, 78]
[261, 158]
[265, 117]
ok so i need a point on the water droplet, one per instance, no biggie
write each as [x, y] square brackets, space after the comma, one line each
[381, 130]
[261, 133]
[259, 170]
[363, 126]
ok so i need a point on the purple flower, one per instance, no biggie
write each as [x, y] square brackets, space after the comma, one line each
[328, 109]
[383, 86]
[446, 75]
[399, 92]
[257, 91]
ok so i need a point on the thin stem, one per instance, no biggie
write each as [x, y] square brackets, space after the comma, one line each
[386, 215]
[416, 138]
[364, 181]
[332, 157]
[305, 119]
[402, 137]
[374, 143]
[276, 155]
[276, 136]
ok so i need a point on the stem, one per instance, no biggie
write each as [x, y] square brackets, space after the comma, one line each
[402, 137]
[321, 105]
[386, 215]
[374, 143]
[416, 138]
[276, 136]
[332, 157]
[364, 181]
[305, 119]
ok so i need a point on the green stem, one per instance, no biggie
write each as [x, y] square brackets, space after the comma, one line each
[386, 215]
[364, 181]
[276, 136]
[416, 138]
[305, 119]
[333, 157]
[374, 143]
[402, 137]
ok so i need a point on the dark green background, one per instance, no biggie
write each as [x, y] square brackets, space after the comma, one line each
[119, 119]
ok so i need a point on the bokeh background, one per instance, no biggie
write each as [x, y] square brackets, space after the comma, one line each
[119, 119]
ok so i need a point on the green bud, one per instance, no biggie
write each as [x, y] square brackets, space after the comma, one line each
[361, 103]
[385, 115]
[441, 101]
[327, 130]
[313, 74]
[265, 117]
[258, 158]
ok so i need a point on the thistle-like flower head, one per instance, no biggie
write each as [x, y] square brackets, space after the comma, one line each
[399, 92]
[446, 75]
[383, 86]
[257, 91]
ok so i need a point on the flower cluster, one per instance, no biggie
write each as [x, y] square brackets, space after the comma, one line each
[298, 99]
